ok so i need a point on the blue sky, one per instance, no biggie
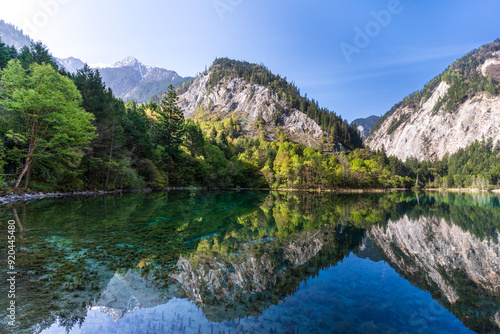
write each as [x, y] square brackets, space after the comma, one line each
[411, 42]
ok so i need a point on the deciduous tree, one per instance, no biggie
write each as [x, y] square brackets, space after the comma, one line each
[46, 106]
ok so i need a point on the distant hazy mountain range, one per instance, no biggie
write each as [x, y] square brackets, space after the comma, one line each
[10, 35]
[364, 125]
[129, 79]
[132, 80]
[70, 64]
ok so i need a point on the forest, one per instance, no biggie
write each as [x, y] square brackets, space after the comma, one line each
[67, 132]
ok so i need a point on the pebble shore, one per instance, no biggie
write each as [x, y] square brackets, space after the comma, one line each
[36, 196]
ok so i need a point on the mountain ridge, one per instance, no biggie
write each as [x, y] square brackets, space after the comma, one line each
[11, 35]
[299, 117]
[456, 108]
[264, 105]
[364, 125]
[129, 78]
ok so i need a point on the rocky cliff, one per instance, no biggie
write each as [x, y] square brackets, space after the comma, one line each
[248, 102]
[438, 256]
[455, 109]
[249, 282]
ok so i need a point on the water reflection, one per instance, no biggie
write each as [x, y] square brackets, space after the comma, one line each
[259, 262]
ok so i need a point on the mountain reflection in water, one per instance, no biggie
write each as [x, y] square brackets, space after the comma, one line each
[258, 262]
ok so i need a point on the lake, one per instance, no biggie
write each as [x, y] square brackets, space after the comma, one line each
[256, 262]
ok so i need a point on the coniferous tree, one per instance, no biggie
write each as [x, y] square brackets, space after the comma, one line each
[36, 53]
[5, 54]
[213, 135]
[169, 128]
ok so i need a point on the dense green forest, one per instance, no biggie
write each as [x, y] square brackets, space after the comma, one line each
[62, 131]
[464, 79]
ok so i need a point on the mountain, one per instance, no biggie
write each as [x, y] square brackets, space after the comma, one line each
[272, 274]
[11, 35]
[70, 64]
[453, 110]
[364, 125]
[128, 79]
[132, 80]
[435, 254]
[264, 105]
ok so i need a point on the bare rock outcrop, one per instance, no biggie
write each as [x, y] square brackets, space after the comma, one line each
[455, 109]
[428, 134]
[436, 255]
[234, 96]
[433, 245]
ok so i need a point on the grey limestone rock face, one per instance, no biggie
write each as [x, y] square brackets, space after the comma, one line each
[433, 250]
[427, 131]
[247, 100]
[429, 135]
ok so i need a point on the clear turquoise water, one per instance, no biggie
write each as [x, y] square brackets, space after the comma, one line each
[258, 262]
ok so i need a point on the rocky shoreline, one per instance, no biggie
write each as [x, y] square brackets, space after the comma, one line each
[8, 199]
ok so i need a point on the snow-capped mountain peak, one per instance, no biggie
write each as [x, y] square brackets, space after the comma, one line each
[134, 63]
[70, 64]
[129, 61]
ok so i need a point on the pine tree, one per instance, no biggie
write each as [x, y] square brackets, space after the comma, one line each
[37, 53]
[213, 135]
[5, 55]
[169, 128]
[223, 138]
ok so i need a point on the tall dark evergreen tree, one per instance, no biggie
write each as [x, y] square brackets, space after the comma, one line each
[5, 54]
[169, 128]
[36, 53]
[108, 164]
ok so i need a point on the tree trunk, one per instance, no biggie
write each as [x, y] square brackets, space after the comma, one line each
[27, 178]
[110, 156]
[25, 169]
[27, 165]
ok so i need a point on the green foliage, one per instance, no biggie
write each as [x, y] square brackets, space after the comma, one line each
[44, 108]
[346, 134]
[64, 131]
[149, 88]
[6, 54]
[36, 53]
[465, 81]
[168, 130]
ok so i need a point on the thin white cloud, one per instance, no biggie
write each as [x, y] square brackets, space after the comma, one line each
[410, 57]
[398, 62]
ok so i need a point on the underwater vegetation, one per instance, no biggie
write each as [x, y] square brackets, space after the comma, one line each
[234, 254]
